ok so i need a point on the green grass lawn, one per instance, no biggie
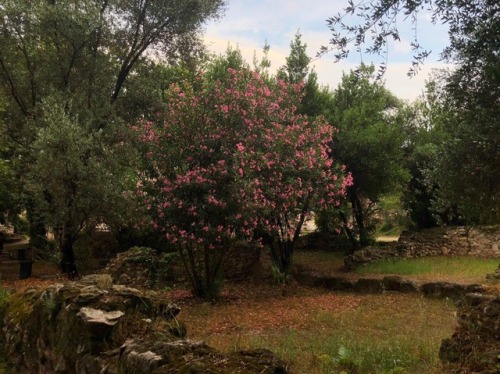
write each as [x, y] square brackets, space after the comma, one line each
[375, 334]
[453, 269]
[466, 268]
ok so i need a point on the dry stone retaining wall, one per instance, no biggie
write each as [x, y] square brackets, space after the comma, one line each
[438, 290]
[475, 344]
[481, 241]
[440, 241]
[94, 326]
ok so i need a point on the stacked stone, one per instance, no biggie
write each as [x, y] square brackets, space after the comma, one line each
[440, 241]
[475, 344]
[94, 326]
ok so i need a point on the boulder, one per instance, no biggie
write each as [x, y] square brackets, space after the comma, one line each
[93, 316]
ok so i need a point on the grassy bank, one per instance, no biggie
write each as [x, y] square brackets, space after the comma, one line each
[466, 269]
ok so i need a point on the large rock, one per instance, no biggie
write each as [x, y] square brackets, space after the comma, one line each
[145, 268]
[85, 328]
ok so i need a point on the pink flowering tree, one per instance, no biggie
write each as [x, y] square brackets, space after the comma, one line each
[228, 157]
[287, 173]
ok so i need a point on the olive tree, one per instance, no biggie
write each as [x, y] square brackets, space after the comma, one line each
[77, 63]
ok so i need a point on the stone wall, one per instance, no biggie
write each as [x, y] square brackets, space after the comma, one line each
[436, 290]
[144, 267]
[458, 241]
[93, 326]
[440, 241]
[475, 344]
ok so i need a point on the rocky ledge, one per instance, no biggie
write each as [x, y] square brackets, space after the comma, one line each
[94, 326]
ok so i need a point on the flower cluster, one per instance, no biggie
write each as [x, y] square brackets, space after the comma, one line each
[229, 157]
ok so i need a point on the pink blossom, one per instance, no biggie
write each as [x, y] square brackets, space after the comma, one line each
[256, 167]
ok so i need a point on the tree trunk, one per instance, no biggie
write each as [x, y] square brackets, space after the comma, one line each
[37, 230]
[68, 264]
[286, 267]
[282, 257]
[204, 266]
[354, 243]
[357, 208]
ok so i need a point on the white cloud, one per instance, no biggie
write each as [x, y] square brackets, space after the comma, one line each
[409, 88]
[402, 47]
[249, 24]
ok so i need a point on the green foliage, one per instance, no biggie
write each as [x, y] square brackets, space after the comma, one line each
[327, 221]
[217, 68]
[296, 68]
[423, 200]
[358, 359]
[391, 216]
[9, 187]
[177, 328]
[144, 236]
[50, 304]
[470, 25]
[369, 143]
[262, 66]
[158, 264]
[366, 340]
[370, 133]
[75, 181]
[453, 159]
[316, 100]
[17, 305]
[463, 180]
[469, 157]
[345, 359]
[70, 74]
[280, 277]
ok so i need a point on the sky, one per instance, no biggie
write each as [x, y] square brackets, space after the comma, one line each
[249, 24]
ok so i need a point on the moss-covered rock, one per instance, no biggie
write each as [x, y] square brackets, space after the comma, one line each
[94, 326]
